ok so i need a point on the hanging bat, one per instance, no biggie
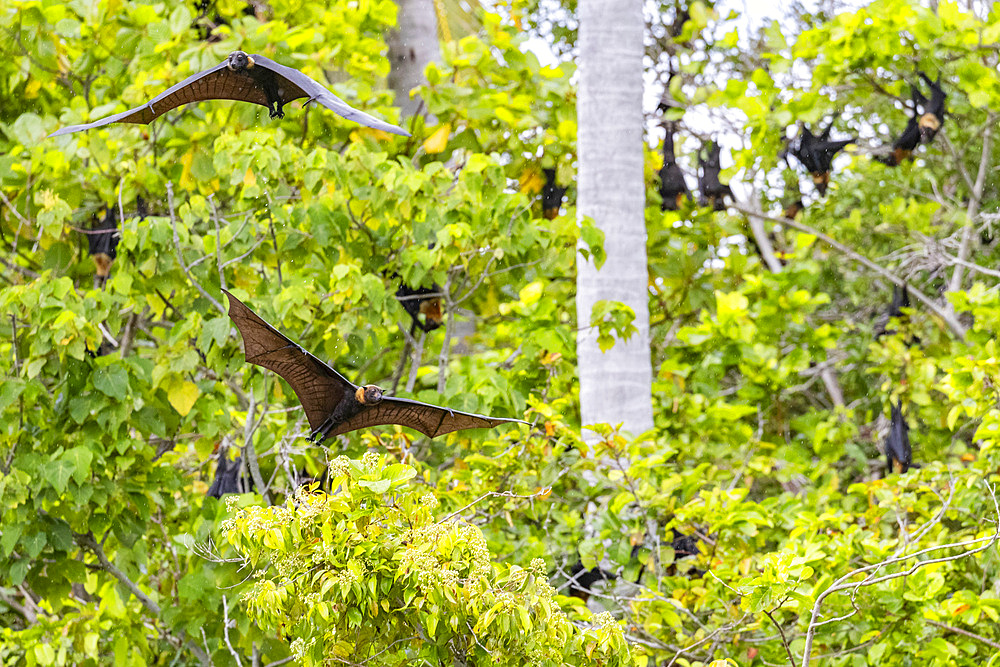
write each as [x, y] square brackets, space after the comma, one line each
[422, 301]
[713, 191]
[932, 117]
[102, 239]
[898, 454]
[793, 209]
[245, 78]
[581, 581]
[333, 405]
[552, 195]
[816, 154]
[673, 187]
[227, 476]
[917, 126]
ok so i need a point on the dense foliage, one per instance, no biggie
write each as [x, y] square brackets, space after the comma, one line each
[757, 524]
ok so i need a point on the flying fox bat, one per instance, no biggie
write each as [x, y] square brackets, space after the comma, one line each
[245, 78]
[552, 195]
[673, 187]
[424, 301]
[898, 454]
[333, 405]
[713, 191]
[227, 476]
[816, 154]
[103, 240]
[932, 116]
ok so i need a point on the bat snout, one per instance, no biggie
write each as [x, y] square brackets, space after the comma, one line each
[239, 60]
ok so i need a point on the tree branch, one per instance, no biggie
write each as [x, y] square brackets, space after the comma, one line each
[949, 319]
[177, 249]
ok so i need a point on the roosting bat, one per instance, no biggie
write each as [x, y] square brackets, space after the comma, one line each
[816, 154]
[422, 302]
[713, 191]
[932, 117]
[333, 405]
[581, 580]
[673, 187]
[898, 455]
[227, 476]
[902, 148]
[103, 240]
[552, 195]
[245, 78]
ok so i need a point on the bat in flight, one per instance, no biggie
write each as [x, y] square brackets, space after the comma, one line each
[245, 78]
[334, 405]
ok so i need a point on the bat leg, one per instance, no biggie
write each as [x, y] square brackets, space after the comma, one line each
[275, 111]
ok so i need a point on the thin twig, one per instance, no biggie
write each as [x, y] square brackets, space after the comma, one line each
[249, 452]
[218, 244]
[960, 631]
[949, 319]
[842, 583]
[177, 249]
[225, 631]
[781, 631]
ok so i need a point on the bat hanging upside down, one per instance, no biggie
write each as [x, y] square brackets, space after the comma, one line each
[245, 78]
[334, 405]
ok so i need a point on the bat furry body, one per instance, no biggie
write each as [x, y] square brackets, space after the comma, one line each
[898, 454]
[713, 191]
[552, 195]
[245, 78]
[673, 187]
[422, 301]
[334, 405]
[816, 154]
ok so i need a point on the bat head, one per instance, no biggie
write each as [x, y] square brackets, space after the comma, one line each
[929, 124]
[239, 61]
[368, 394]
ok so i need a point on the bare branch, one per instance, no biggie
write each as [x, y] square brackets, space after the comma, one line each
[177, 249]
[949, 319]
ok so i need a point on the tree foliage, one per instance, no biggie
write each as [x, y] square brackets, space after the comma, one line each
[805, 548]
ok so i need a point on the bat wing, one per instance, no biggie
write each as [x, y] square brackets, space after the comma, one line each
[216, 83]
[295, 85]
[431, 420]
[318, 387]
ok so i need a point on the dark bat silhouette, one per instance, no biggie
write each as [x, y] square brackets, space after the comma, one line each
[246, 78]
[713, 191]
[552, 195]
[920, 126]
[673, 187]
[333, 405]
[900, 300]
[932, 116]
[898, 455]
[581, 581]
[422, 301]
[103, 239]
[227, 476]
[816, 154]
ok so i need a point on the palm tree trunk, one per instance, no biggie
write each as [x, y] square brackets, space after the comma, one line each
[411, 46]
[616, 386]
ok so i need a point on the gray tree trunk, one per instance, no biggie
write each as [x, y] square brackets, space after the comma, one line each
[411, 46]
[615, 386]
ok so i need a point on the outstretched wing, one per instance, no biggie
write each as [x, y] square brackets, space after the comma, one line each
[295, 84]
[318, 387]
[431, 420]
[216, 83]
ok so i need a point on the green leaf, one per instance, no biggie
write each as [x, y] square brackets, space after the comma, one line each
[111, 380]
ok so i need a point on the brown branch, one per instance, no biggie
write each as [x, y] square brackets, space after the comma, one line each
[949, 319]
[971, 635]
